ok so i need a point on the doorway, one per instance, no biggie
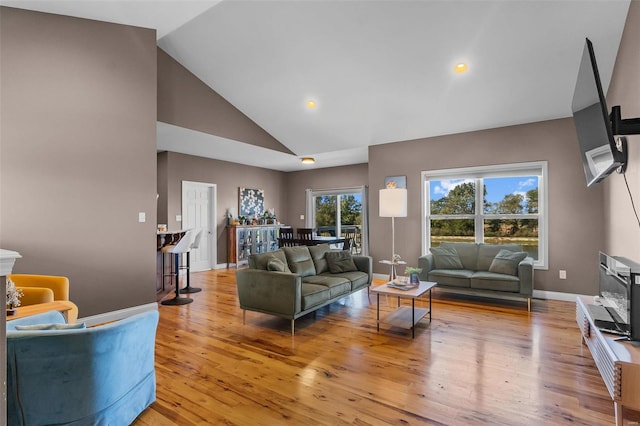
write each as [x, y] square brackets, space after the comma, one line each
[199, 212]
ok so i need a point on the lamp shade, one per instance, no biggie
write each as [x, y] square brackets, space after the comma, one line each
[393, 202]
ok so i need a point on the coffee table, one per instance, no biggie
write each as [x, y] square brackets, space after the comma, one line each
[405, 316]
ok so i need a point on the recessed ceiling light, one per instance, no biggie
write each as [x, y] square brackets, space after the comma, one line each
[460, 67]
[308, 160]
[311, 104]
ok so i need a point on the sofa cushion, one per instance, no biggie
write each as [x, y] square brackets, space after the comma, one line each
[313, 295]
[451, 277]
[357, 279]
[488, 252]
[446, 258]
[497, 282]
[506, 262]
[276, 265]
[319, 261]
[340, 261]
[336, 285]
[261, 260]
[468, 253]
[299, 260]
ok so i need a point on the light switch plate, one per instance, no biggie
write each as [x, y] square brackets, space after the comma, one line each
[142, 217]
[178, 218]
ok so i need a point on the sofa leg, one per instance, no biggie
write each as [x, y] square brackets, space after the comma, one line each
[244, 315]
[293, 327]
[528, 304]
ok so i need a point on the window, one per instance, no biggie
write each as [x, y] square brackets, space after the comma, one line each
[340, 212]
[492, 204]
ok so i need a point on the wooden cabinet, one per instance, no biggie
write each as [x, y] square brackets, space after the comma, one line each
[618, 361]
[245, 240]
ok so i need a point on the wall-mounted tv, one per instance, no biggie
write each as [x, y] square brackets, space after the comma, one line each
[601, 152]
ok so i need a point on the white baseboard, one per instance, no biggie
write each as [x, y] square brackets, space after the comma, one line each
[117, 315]
[556, 295]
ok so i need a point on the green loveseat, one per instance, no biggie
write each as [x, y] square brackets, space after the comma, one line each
[477, 268]
[294, 281]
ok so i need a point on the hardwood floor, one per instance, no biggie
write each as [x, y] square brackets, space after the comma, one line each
[479, 361]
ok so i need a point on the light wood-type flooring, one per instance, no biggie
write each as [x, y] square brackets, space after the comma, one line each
[480, 361]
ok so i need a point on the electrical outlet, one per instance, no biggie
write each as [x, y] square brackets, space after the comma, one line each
[563, 274]
[301, 217]
[178, 218]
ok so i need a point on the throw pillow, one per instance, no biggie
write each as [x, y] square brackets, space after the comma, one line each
[506, 262]
[275, 264]
[340, 261]
[446, 258]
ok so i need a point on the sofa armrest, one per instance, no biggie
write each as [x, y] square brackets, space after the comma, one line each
[278, 293]
[364, 264]
[426, 263]
[525, 273]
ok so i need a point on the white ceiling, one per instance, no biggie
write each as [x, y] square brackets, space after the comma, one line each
[380, 71]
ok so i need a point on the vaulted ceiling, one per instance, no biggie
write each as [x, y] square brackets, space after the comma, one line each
[378, 71]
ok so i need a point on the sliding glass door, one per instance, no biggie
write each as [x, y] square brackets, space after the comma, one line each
[339, 213]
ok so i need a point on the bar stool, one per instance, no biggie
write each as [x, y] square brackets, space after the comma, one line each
[182, 246]
[194, 245]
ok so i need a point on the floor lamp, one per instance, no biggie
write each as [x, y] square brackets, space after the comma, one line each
[393, 203]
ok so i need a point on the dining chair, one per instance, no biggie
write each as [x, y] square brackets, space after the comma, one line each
[304, 236]
[286, 238]
[351, 235]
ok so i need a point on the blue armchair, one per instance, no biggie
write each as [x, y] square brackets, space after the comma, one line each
[103, 375]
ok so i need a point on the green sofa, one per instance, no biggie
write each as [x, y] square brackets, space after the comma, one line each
[294, 281]
[477, 268]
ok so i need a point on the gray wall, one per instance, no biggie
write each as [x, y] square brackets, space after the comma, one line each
[78, 132]
[575, 212]
[228, 177]
[622, 228]
[185, 101]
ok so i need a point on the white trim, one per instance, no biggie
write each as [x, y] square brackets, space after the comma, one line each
[117, 315]
[556, 295]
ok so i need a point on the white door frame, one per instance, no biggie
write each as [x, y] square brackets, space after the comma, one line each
[213, 232]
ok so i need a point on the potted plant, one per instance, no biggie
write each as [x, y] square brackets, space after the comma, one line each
[413, 273]
[13, 297]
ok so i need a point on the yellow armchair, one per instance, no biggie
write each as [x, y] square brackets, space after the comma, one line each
[42, 289]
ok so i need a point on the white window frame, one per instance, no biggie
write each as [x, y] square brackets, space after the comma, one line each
[537, 168]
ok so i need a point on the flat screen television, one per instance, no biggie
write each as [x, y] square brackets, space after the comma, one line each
[601, 152]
